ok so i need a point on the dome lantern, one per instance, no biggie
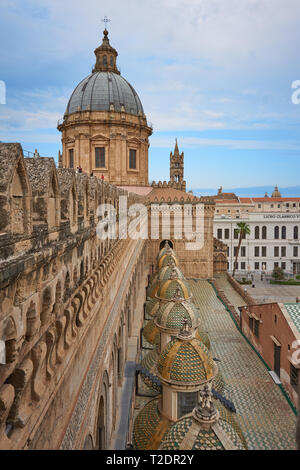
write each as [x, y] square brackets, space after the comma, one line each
[106, 56]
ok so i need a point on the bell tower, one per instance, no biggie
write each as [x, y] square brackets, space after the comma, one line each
[176, 165]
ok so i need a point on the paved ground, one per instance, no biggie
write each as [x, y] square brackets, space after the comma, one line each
[263, 292]
[262, 410]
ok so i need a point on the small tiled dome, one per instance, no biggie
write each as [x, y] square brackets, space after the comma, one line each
[152, 289]
[186, 363]
[171, 315]
[149, 427]
[152, 306]
[166, 260]
[149, 362]
[151, 332]
[188, 434]
[166, 250]
[164, 274]
[174, 289]
[169, 272]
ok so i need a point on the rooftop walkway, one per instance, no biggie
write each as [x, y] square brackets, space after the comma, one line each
[263, 412]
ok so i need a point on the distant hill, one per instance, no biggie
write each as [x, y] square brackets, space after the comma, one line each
[254, 191]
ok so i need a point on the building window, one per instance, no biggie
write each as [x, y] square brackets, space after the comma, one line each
[219, 234]
[296, 233]
[256, 328]
[226, 233]
[104, 60]
[228, 251]
[283, 265]
[186, 402]
[111, 61]
[264, 232]
[256, 232]
[243, 251]
[251, 323]
[256, 265]
[276, 232]
[264, 251]
[283, 232]
[276, 264]
[132, 159]
[295, 251]
[259, 206]
[243, 265]
[71, 158]
[256, 251]
[283, 251]
[236, 234]
[236, 265]
[100, 157]
[276, 251]
[294, 373]
[235, 251]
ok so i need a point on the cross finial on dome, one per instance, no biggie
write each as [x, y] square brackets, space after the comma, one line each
[105, 21]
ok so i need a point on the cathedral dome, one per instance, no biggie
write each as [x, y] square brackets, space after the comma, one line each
[276, 192]
[105, 91]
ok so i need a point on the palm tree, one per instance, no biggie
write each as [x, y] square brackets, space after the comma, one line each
[242, 229]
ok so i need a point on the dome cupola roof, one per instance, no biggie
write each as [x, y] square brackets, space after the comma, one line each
[185, 361]
[174, 290]
[105, 89]
[171, 315]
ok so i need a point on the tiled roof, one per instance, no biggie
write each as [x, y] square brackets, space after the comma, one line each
[171, 315]
[168, 288]
[187, 362]
[293, 310]
[187, 434]
[276, 199]
[149, 427]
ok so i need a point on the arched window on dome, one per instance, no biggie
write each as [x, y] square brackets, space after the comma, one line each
[104, 60]
[111, 61]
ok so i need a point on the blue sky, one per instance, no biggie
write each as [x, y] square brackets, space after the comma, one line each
[215, 74]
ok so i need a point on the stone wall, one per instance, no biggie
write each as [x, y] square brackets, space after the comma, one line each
[67, 300]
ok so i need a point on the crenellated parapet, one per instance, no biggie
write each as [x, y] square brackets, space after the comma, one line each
[180, 185]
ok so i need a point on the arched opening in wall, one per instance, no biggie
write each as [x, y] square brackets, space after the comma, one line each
[162, 244]
[73, 207]
[53, 204]
[88, 443]
[20, 208]
[101, 425]
[46, 305]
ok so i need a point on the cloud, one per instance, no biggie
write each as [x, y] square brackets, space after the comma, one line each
[165, 142]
